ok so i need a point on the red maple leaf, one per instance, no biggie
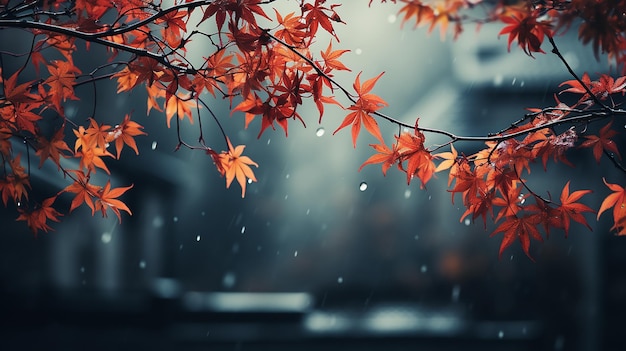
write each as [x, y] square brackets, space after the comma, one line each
[317, 15]
[52, 149]
[602, 142]
[519, 227]
[570, 209]
[17, 93]
[524, 27]
[61, 82]
[419, 160]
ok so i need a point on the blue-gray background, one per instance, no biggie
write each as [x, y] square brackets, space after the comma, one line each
[308, 226]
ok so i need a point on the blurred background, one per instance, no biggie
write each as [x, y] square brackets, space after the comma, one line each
[318, 254]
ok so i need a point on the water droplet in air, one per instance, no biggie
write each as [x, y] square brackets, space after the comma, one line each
[358, 51]
[287, 176]
[467, 221]
[456, 292]
[500, 334]
[180, 247]
[82, 269]
[229, 280]
[363, 186]
[340, 280]
[392, 18]
[424, 269]
[407, 193]
[559, 343]
[268, 141]
[175, 219]
[243, 229]
[497, 80]
[320, 131]
[417, 237]
[249, 181]
[157, 222]
[198, 238]
[106, 238]
[430, 197]
[295, 254]
[202, 213]
[154, 145]
[308, 210]
[142, 264]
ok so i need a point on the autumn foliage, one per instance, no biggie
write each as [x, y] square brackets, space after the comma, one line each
[262, 62]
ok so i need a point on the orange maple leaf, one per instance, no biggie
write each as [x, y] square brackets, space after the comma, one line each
[84, 191]
[107, 199]
[37, 218]
[124, 133]
[235, 166]
[365, 105]
[617, 200]
[421, 12]
[384, 155]
[331, 58]
[294, 29]
[91, 158]
[154, 92]
[218, 65]
[180, 106]
[451, 161]
[97, 134]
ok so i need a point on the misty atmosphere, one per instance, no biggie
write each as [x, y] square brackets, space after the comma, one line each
[318, 254]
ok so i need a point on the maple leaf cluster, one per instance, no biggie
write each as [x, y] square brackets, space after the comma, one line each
[262, 62]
